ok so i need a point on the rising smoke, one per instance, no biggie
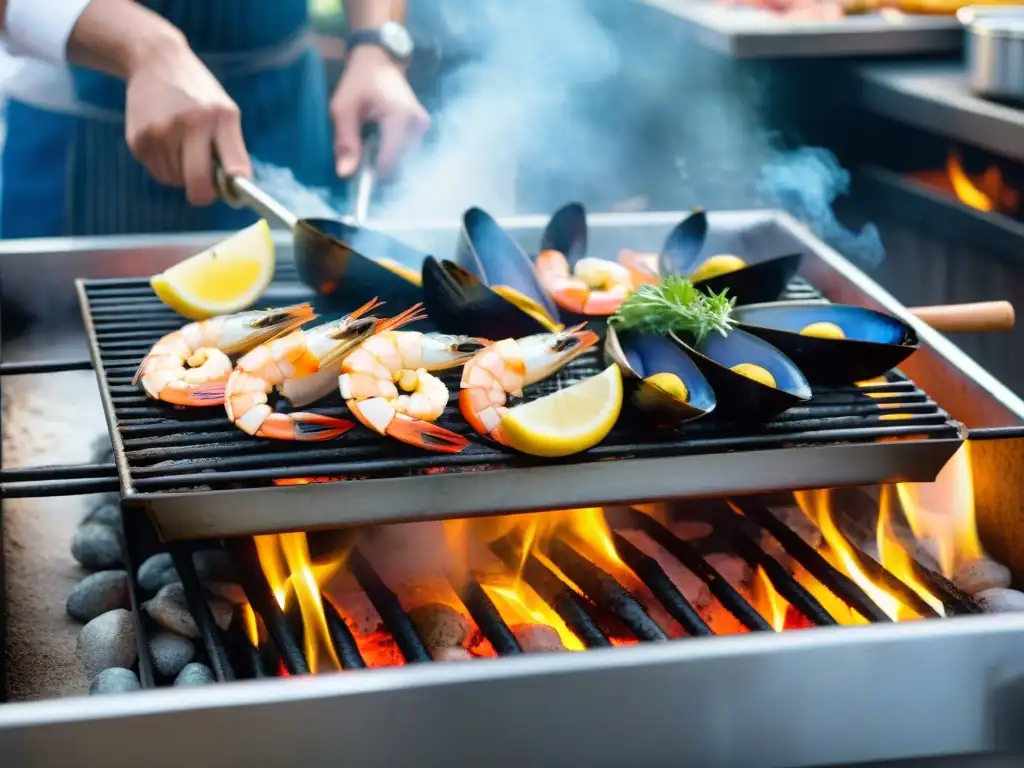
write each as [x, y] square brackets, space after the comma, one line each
[662, 118]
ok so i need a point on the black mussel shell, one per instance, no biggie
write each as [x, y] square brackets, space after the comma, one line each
[459, 303]
[875, 342]
[489, 253]
[642, 355]
[340, 260]
[566, 232]
[759, 281]
[741, 398]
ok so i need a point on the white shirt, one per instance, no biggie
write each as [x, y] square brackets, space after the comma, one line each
[38, 31]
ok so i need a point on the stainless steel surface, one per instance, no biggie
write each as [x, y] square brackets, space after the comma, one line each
[366, 178]
[215, 514]
[995, 51]
[746, 33]
[937, 97]
[240, 192]
[810, 698]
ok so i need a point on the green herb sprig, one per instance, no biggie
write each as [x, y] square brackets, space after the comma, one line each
[675, 305]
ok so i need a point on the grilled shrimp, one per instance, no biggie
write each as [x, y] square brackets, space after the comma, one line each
[295, 367]
[190, 365]
[593, 287]
[387, 384]
[507, 366]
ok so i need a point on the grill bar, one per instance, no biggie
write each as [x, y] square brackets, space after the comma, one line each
[342, 638]
[486, 615]
[841, 585]
[554, 592]
[195, 596]
[34, 367]
[605, 591]
[661, 586]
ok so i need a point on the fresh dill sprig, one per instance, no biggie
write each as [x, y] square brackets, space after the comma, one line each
[676, 305]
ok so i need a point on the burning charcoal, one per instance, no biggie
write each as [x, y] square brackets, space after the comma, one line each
[170, 652]
[735, 570]
[114, 680]
[106, 513]
[214, 565]
[157, 572]
[980, 575]
[691, 530]
[801, 525]
[458, 653]
[440, 626]
[233, 593]
[97, 546]
[537, 638]
[98, 593]
[998, 600]
[195, 674]
[355, 605]
[169, 609]
[107, 641]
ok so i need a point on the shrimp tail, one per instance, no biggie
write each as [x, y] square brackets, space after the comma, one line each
[486, 421]
[369, 306]
[378, 415]
[402, 319]
[196, 397]
[305, 427]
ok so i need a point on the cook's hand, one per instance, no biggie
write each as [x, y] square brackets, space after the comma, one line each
[176, 114]
[373, 89]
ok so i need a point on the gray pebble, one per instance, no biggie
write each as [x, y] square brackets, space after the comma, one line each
[195, 674]
[97, 546]
[979, 575]
[214, 565]
[169, 609]
[170, 653]
[107, 641]
[233, 593]
[98, 593]
[157, 572]
[106, 513]
[998, 600]
[114, 680]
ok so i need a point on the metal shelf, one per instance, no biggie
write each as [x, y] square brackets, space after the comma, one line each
[744, 33]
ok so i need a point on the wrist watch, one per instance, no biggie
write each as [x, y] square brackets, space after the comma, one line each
[391, 36]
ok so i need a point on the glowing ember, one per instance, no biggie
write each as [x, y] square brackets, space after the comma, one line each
[518, 604]
[287, 481]
[943, 512]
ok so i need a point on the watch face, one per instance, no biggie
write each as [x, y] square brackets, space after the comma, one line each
[396, 40]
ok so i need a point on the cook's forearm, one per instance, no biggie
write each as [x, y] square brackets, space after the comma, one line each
[109, 35]
[367, 14]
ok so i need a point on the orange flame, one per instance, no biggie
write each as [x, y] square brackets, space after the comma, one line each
[251, 625]
[893, 556]
[518, 604]
[965, 189]
[943, 512]
[770, 604]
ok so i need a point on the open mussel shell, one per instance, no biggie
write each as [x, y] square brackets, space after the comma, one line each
[566, 232]
[874, 341]
[741, 398]
[489, 253]
[457, 302]
[759, 281]
[645, 359]
[344, 261]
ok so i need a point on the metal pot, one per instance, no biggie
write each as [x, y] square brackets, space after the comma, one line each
[995, 51]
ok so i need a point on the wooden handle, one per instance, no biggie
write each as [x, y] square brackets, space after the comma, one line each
[984, 316]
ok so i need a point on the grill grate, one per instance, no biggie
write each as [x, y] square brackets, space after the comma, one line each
[601, 603]
[165, 451]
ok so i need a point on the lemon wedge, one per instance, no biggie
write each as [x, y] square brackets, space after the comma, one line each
[223, 279]
[568, 421]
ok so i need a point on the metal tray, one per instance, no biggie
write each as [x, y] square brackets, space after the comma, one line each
[745, 33]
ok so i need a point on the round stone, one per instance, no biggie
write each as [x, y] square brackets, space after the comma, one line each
[537, 638]
[457, 653]
[105, 513]
[439, 625]
[157, 572]
[233, 593]
[107, 641]
[214, 565]
[98, 593]
[195, 674]
[114, 680]
[998, 600]
[97, 546]
[170, 652]
[169, 608]
[981, 574]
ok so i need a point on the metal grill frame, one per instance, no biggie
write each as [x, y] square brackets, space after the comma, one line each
[811, 463]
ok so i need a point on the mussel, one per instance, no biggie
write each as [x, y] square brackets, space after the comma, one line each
[664, 385]
[345, 261]
[831, 343]
[491, 290]
[749, 278]
[583, 287]
[751, 379]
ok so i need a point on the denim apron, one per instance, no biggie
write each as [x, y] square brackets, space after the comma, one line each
[73, 174]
